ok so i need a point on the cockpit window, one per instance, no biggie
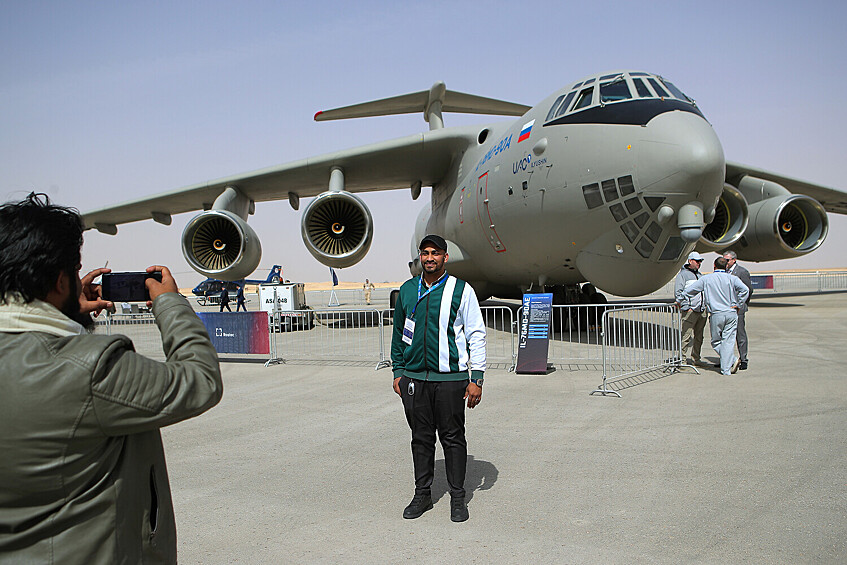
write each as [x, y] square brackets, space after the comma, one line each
[553, 108]
[614, 91]
[642, 89]
[564, 107]
[584, 98]
[676, 92]
[659, 90]
[611, 88]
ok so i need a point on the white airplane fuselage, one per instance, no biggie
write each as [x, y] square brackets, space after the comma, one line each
[515, 211]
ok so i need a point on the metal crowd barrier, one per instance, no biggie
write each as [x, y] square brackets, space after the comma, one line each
[638, 339]
[346, 297]
[825, 281]
[817, 281]
[576, 333]
[140, 328]
[328, 334]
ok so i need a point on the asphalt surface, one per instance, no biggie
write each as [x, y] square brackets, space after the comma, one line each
[310, 462]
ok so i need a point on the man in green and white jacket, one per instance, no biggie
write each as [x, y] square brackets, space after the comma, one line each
[439, 338]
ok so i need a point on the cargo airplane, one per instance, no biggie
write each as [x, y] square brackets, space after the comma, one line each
[611, 180]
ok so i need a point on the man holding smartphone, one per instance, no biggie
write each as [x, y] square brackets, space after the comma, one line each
[83, 476]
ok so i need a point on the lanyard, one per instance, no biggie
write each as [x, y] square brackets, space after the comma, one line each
[435, 285]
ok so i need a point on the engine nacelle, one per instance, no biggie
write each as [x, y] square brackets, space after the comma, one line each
[220, 245]
[730, 221]
[783, 227]
[337, 229]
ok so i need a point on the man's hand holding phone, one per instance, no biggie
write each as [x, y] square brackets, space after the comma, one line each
[156, 288]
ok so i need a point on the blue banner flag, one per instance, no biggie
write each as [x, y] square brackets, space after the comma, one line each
[334, 277]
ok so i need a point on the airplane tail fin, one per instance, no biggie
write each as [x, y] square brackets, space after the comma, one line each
[431, 102]
[275, 275]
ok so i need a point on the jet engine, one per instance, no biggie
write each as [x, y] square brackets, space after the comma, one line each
[782, 227]
[220, 245]
[729, 223]
[337, 228]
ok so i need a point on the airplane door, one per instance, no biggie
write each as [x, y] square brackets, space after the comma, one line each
[485, 220]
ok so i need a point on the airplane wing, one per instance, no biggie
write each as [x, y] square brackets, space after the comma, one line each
[832, 199]
[387, 165]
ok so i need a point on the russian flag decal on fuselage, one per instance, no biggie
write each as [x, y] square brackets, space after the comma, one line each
[525, 131]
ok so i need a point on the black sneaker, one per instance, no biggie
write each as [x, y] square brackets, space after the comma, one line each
[458, 510]
[420, 504]
[743, 366]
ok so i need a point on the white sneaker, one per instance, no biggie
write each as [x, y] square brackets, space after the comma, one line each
[735, 365]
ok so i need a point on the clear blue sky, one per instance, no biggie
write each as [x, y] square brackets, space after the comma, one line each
[101, 102]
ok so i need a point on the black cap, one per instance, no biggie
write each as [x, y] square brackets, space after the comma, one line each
[435, 240]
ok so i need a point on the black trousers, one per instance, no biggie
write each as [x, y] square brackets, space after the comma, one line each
[437, 406]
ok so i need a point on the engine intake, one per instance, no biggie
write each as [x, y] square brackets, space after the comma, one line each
[337, 229]
[783, 227]
[220, 245]
[730, 221]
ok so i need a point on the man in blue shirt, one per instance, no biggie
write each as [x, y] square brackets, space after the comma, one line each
[724, 293]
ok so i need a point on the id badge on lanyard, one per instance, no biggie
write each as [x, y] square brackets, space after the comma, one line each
[409, 324]
[408, 331]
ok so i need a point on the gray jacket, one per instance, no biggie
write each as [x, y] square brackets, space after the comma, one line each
[744, 275]
[723, 292]
[82, 473]
[685, 278]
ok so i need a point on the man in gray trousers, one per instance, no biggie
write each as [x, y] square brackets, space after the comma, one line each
[733, 268]
[723, 293]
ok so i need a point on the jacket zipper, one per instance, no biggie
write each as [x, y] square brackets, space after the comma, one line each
[426, 323]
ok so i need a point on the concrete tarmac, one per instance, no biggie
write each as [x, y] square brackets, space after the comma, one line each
[310, 463]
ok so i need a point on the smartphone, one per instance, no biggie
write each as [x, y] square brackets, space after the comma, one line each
[127, 287]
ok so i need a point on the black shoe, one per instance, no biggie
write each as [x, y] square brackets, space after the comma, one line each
[420, 504]
[717, 365]
[743, 366]
[458, 510]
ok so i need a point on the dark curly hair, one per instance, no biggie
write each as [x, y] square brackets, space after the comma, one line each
[38, 241]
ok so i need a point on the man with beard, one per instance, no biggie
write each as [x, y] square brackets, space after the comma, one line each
[439, 337]
[83, 476]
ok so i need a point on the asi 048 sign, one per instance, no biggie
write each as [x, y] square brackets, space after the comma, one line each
[534, 333]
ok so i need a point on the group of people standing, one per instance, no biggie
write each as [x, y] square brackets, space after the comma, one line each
[721, 296]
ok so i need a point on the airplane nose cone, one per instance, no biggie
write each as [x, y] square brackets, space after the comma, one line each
[681, 154]
[680, 162]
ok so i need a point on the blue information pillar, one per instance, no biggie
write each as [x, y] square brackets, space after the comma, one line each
[534, 333]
